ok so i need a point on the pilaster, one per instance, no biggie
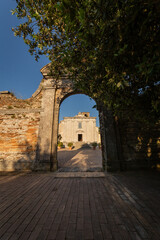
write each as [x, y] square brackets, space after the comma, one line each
[44, 146]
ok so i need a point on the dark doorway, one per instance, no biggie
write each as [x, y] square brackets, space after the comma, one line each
[79, 137]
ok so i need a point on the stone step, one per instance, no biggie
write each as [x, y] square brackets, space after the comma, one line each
[81, 144]
[79, 174]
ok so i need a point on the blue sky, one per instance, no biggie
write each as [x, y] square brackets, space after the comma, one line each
[20, 73]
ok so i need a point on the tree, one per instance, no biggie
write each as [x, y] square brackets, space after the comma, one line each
[59, 137]
[110, 48]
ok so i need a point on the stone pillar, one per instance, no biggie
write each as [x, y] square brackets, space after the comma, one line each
[53, 159]
[103, 145]
[111, 160]
[44, 147]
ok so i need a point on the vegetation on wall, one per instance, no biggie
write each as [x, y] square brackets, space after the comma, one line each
[110, 48]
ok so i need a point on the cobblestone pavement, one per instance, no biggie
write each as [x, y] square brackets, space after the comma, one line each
[39, 206]
[79, 160]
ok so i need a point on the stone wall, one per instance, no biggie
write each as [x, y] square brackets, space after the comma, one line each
[140, 145]
[19, 124]
[109, 140]
[128, 145]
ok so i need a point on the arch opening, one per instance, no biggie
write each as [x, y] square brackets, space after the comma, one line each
[54, 92]
[79, 141]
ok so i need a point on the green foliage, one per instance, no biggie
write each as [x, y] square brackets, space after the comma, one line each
[70, 144]
[94, 144]
[59, 137]
[110, 48]
[60, 144]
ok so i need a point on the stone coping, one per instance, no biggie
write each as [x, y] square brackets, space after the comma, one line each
[4, 92]
[20, 110]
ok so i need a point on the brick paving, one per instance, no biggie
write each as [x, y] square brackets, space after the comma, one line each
[48, 206]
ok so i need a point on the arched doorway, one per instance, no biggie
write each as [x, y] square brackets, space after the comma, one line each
[54, 92]
[79, 125]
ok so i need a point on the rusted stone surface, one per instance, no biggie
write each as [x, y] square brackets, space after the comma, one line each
[19, 124]
[9, 102]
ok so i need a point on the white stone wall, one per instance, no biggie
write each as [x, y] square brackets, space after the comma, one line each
[69, 129]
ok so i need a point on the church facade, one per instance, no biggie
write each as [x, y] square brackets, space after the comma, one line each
[80, 128]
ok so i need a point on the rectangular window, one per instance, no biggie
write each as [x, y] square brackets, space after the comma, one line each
[80, 125]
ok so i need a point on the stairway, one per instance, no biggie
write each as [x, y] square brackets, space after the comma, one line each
[78, 145]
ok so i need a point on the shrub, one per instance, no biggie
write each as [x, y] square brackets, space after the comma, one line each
[60, 144]
[70, 144]
[94, 144]
[99, 145]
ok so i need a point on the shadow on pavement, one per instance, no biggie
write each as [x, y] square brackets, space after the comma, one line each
[79, 160]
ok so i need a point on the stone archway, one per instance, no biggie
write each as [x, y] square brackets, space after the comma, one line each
[54, 92]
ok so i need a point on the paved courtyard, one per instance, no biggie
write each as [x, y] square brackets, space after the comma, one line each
[107, 206]
[79, 160]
